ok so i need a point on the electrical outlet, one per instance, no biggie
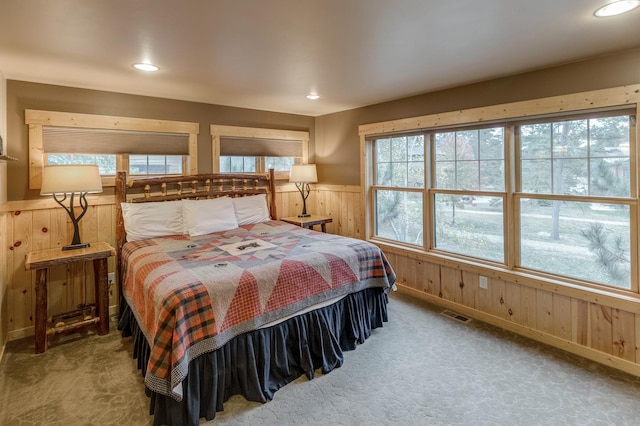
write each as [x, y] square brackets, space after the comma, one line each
[111, 278]
[484, 282]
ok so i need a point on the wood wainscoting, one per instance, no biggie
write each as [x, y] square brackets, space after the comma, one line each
[4, 280]
[342, 203]
[41, 224]
[603, 328]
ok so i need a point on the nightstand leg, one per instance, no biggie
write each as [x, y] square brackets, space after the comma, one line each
[41, 311]
[102, 294]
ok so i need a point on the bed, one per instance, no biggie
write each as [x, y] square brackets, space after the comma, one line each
[222, 299]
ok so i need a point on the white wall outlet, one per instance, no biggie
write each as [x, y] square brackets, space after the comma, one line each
[484, 282]
[111, 278]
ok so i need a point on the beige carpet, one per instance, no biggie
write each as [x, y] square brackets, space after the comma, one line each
[422, 368]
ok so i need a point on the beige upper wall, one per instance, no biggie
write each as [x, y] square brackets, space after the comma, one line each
[24, 95]
[337, 146]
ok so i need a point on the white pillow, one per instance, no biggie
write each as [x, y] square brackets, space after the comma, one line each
[207, 216]
[149, 220]
[251, 209]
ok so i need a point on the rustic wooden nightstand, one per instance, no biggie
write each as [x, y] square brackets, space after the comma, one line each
[40, 260]
[309, 221]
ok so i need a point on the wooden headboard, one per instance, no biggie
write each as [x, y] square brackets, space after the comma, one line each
[187, 187]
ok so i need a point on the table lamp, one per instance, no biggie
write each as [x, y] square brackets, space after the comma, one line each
[302, 175]
[67, 181]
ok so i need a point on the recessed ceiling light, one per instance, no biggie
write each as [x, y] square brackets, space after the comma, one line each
[313, 96]
[616, 8]
[145, 67]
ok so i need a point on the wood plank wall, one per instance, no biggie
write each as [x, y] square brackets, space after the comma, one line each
[586, 326]
[34, 227]
[598, 331]
[4, 281]
[46, 228]
[341, 202]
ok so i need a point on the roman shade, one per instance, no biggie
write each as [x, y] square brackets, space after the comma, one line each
[66, 140]
[259, 147]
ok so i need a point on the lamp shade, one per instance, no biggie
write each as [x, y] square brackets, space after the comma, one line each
[305, 173]
[71, 178]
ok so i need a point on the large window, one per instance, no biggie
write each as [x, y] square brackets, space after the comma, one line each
[552, 196]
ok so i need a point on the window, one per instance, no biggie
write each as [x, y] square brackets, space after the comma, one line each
[587, 156]
[140, 146]
[237, 164]
[574, 198]
[155, 165]
[242, 164]
[139, 165]
[466, 220]
[106, 163]
[552, 196]
[468, 192]
[399, 169]
[255, 150]
[470, 159]
[280, 164]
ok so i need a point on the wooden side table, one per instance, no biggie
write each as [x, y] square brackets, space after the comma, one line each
[40, 260]
[309, 221]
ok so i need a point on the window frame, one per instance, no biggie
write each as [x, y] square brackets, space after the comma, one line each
[554, 108]
[403, 189]
[430, 190]
[221, 131]
[37, 119]
[630, 201]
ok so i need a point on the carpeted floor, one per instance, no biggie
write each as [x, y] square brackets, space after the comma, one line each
[422, 368]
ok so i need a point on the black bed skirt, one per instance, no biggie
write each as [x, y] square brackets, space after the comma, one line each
[257, 364]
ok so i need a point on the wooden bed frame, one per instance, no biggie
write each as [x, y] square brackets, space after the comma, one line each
[242, 365]
[171, 188]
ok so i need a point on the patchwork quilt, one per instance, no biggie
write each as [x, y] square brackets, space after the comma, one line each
[191, 295]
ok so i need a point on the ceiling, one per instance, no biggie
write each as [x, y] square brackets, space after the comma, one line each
[269, 54]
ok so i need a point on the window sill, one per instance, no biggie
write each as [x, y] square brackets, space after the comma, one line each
[619, 299]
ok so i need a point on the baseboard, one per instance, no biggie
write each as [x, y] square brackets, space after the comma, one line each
[566, 345]
[21, 333]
